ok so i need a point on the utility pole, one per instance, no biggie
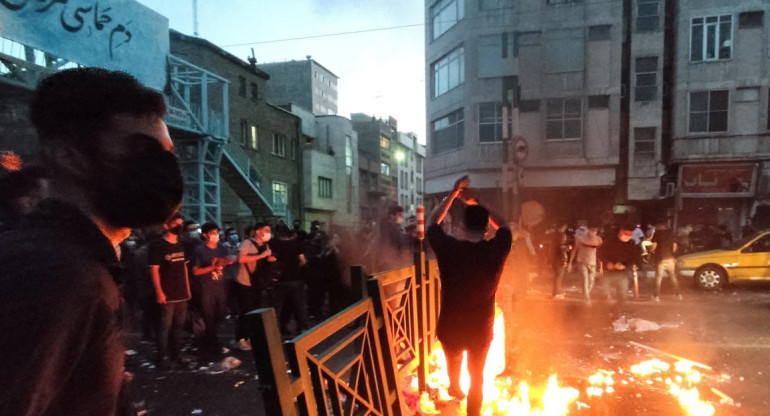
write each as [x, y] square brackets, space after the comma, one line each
[195, 17]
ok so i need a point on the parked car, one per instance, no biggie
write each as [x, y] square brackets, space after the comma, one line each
[746, 260]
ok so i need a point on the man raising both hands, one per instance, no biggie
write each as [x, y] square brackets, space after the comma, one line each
[470, 271]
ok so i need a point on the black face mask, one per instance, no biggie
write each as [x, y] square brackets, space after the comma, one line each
[176, 230]
[138, 190]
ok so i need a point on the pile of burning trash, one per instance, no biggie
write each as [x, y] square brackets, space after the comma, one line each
[649, 381]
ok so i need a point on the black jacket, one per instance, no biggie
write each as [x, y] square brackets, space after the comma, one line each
[61, 350]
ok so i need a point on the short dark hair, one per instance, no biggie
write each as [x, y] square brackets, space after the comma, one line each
[76, 104]
[176, 216]
[208, 227]
[247, 231]
[260, 225]
[395, 210]
[476, 218]
[186, 225]
[229, 231]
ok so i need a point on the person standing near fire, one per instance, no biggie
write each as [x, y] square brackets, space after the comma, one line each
[619, 258]
[470, 271]
[586, 245]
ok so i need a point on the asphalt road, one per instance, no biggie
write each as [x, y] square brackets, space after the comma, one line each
[728, 330]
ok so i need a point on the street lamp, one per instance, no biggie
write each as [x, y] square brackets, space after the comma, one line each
[400, 155]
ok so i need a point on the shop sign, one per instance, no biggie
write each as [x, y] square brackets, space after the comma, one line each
[718, 180]
[114, 34]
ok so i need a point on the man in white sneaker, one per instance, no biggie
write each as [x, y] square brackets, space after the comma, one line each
[586, 245]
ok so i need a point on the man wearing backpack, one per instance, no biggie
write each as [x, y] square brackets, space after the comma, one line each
[253, 253]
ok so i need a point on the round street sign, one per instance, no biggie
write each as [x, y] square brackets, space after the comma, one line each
[520, 149]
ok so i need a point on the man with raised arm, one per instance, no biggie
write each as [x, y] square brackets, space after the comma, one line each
[470, 271]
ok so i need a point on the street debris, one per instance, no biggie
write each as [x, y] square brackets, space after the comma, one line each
[130, 352]
[624, 324]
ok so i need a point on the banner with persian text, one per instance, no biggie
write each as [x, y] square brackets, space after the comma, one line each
[115, 34]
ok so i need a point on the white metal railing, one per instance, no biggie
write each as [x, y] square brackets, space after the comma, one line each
[246, 168]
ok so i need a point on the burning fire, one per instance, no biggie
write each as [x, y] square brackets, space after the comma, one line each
[506, 396]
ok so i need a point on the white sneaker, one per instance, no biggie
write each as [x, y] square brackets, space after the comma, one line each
[242, 344]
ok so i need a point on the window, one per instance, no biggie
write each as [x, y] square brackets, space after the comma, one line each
[644, 141]
[384, 143]
[708, 111]
[491, 122]
[711, 38]
[529, 106]
[324, 187]
[254, 137]
[348, 155]
[244, 133]
[647, 15]
[494, 50]
[751, 19]
[279, 145]
[564, 1]
[564, 119]
[747, 94]
[600, 32]
[445, 14]
[495, 4]
[254, 90]
[242, 86]
[564, 50]
[419, 164]
[280, 196]
[646, 79]
[448, 132]
[599, 101]
[385, 169]
[449, 71]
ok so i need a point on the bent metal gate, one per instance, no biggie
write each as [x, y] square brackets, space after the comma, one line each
[356, 361]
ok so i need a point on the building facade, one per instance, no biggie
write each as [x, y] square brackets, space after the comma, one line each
[260, 161]
[305, 83]
[648, 108]
[549, 72]
[378, 174]
[330, 170]
[409, 156]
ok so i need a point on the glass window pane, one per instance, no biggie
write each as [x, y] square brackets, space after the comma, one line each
[554, 129]
[572, 129]
[572, 107]
[487, 133]
[696, 47]
[725, 41]
[698, 122]
[644, 147]
[711, 39]
[718, 101]
[647, 64]
[647, 9]
[718, 121]
[644, 133]
[554, 108]
[699, 101]
[644, 80]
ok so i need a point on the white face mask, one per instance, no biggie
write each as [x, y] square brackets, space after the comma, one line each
[214, 238]
[399, 220]
[266, 237]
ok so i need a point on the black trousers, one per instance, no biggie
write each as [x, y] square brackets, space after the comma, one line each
[477, 356]
[290, 301]
[213, 298]
[171, 318]
[247, 301]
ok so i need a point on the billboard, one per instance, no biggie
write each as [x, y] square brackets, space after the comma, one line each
[115, 34]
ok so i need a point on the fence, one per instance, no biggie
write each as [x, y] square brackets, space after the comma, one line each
[356, 361]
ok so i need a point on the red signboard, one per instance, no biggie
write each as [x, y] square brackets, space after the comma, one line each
[735, 179]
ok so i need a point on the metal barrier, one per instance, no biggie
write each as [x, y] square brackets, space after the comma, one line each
[356, 361]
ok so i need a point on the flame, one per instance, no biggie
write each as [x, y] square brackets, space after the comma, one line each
[505, 396]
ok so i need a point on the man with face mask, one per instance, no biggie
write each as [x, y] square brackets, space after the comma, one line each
[168, 269]
[619, 257]
[470, 271]
[103, 138]
[208, 265]
[586, 246]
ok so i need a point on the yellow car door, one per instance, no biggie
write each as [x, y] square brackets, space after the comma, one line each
[753, 261]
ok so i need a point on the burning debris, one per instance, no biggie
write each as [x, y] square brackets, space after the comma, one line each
[682, 384]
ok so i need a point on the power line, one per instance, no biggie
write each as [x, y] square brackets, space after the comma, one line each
[518, 12]
[325, 35]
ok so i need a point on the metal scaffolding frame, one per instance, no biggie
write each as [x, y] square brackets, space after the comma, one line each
[190, 109]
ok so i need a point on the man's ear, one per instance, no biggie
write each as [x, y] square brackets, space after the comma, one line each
[70, 160]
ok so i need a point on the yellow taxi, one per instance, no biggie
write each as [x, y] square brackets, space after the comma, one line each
[748, 259]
